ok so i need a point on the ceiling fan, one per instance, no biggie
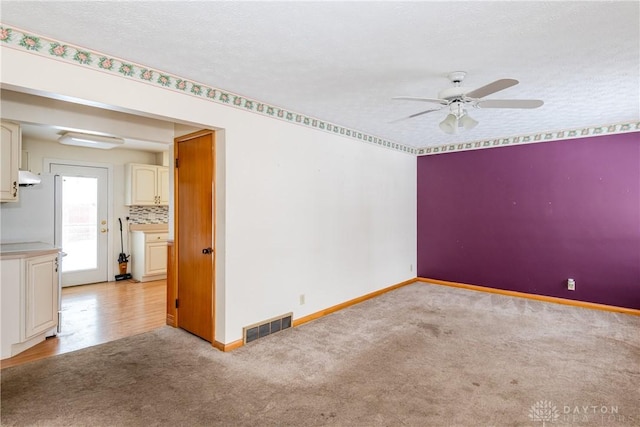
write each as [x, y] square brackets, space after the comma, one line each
[458, 98]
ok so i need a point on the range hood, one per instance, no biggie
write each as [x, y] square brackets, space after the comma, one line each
[26, 178]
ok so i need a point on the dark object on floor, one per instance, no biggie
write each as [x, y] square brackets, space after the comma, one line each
[122, 259]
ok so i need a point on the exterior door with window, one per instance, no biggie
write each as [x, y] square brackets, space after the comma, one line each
[82, 222]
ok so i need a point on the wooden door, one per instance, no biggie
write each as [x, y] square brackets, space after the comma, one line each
[194, 233]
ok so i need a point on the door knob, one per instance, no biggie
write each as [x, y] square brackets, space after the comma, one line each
[207, 251]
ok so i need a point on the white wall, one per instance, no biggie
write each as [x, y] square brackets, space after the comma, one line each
[304, 211]
[330, 218]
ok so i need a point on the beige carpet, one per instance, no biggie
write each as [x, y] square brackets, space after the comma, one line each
[423, 355]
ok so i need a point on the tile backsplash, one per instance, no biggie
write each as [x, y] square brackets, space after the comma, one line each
[148, 214]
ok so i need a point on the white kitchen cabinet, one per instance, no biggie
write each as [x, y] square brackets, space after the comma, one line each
[10, 161]
[40, 295]
[146, 185]
[163, 185]
[29, 299]
[149, 255]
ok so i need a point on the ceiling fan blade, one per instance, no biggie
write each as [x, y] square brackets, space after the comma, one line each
[413, 98]
[414, 115]
[494, 87]
[510, 103]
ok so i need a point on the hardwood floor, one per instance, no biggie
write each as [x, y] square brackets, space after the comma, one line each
[101, 312]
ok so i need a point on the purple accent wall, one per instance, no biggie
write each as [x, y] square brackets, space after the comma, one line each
[527, 218]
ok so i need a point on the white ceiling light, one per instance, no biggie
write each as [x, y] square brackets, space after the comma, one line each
[457, 118]
[449, 124]
[467, 122]
[91, 141]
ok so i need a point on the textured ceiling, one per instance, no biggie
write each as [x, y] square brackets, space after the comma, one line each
[343, 61]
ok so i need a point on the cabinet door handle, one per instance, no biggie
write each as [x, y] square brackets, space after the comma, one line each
[207, 251]
[15, 188]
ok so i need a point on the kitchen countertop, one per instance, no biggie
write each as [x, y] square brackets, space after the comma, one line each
[149, 227]
[16, 250]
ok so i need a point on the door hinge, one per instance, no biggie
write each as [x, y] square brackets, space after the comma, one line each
[177, 303]
[176, 163]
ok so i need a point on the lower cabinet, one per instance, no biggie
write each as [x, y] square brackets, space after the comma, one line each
[30, 301]
[149, 255]
[41, 295]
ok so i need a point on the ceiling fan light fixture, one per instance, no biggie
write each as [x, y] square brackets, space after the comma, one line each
[467, 122]
[91, 141]
[459, 98]
[449, 124]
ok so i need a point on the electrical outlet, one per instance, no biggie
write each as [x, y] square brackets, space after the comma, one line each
[301, 299]
[571, 284]
[410, 267]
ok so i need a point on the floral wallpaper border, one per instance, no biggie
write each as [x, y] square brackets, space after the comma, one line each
[21, 40]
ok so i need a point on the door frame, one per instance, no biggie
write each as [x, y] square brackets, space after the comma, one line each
[110, 223]
[173, 252]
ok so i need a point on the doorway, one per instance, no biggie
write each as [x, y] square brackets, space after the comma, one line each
[195, 232]
[82, 222]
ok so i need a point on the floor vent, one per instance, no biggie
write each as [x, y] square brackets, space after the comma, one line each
[267, 327]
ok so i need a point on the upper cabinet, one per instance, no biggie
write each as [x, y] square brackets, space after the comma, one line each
[146, 185]
[163, 185]
[9, 161]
